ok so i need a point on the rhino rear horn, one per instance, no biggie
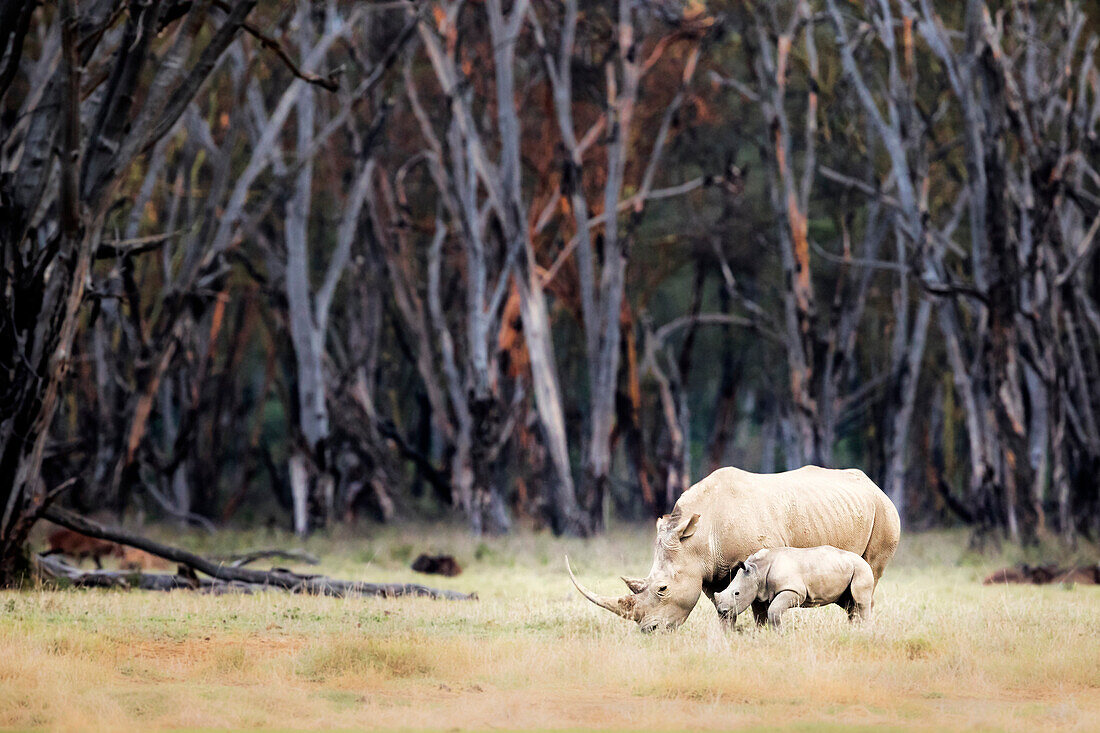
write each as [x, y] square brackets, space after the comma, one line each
[636, 585]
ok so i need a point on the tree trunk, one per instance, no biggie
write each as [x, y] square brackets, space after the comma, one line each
[488, 513]
[1038, 446]
[897, 461]
[299, 493]
[47, 332]
[565, 514]
[725, 414]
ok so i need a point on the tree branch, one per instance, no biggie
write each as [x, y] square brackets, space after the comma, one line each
[271, 44]
[275, 578]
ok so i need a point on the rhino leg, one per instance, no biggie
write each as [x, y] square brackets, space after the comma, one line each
[779, 605]
[885, 536]
[862, 594]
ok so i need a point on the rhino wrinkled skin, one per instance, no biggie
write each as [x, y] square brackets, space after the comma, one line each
[729, 515]
[789, 577]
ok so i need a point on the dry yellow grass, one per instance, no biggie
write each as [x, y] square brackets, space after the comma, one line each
[942, 652]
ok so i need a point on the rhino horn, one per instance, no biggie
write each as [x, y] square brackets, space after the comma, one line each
[636, 585]
[623, 606]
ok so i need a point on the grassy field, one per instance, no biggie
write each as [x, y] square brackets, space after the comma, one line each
[943, 651]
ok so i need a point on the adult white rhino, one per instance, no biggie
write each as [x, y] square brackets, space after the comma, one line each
[729, 515]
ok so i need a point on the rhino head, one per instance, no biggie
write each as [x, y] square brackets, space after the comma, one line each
[740, 594]
[664, 598]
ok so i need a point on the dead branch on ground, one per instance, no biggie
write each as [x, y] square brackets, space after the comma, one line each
[247, 558]
[228, 574]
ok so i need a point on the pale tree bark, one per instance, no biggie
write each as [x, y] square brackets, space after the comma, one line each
[1011, 336]
[819, 338]
[176, 333]
[670, 373]
[306, 334]
[1024, 344]
[910, 359]
[565, 514]
[461, 169]
[312, 467]
[502, 186]
[623, 77]
[602, 293]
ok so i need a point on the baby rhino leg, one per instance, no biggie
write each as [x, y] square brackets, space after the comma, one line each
[862, 591]
[760, 612]
[782, 601]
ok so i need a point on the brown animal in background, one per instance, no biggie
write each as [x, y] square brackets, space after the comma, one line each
[1008, 575]
[78, 546]
[437, 565]
[1045, 574]
[139, 560]
[1081, 576]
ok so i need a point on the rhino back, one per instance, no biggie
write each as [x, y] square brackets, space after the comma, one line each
[742, 512]
[820, 574]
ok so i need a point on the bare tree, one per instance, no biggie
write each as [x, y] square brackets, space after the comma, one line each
[819, 335]
[314, 496]
[1012, 345]
[56, 164]
[602, 303]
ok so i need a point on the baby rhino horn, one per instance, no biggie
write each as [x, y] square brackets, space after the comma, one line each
[636, 585]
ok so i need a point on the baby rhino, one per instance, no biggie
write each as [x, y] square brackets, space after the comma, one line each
[779, 578]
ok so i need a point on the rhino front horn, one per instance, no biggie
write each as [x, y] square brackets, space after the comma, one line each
[623, 606]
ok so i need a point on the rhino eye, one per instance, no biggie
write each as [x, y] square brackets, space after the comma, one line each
[737, 592]
[662, 590]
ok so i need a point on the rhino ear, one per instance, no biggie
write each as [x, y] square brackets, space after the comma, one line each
[676, 526]
[687, 527]
[751, 568]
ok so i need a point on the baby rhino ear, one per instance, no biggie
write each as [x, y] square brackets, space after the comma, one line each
[686, 528]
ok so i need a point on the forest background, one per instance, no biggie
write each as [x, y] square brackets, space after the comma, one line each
[546, 263]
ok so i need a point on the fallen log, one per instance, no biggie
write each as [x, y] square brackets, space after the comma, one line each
[247, 558]
[1045, 575]
[50, 567]
[280, 578]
